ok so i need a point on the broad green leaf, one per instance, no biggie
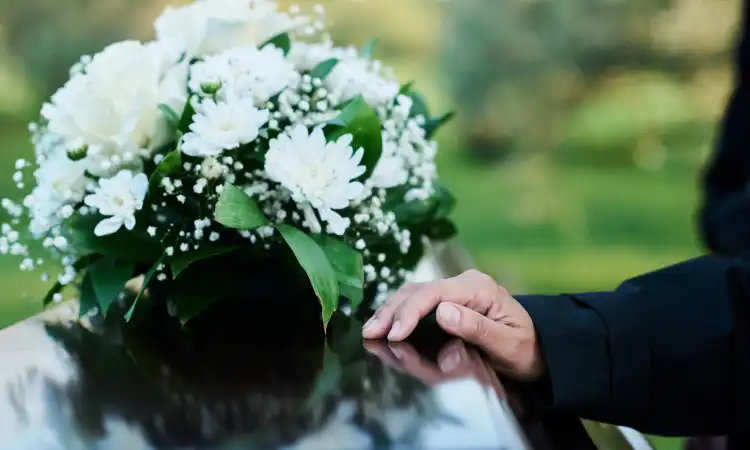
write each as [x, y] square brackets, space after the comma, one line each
[281, 41]
[319, 270]
[368, 48]
[187, 116]
[363, 123]
[86, 296]
[127, 245]
[323, 69]
[415, 211]
[445, 200]
[172, 117]
[146, 279]
[108, 277]
[348, 265]
[237, 210]
[181, 261]
[80, 264]
[356, 295]
[419, 105]
[171, 163]
[441, 229]
[432, 125]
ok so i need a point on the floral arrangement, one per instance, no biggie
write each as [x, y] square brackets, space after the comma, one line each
[241, 129]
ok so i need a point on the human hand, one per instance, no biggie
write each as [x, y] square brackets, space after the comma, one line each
[473, 307]
[455, 360]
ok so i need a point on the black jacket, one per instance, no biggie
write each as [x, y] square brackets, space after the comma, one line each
[669, 352]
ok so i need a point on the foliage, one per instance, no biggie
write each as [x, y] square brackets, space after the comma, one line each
[517, 70]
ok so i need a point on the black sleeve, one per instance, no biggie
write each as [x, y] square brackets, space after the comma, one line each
[666, 353]
[725, 215]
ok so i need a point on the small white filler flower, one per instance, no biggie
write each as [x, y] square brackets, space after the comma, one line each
[318, 174]
[118, 197]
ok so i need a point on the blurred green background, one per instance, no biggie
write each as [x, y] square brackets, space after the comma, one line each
[581, 132]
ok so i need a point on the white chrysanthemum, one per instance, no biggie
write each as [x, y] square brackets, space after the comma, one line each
[60, 181]
[317, 173]
[113, 106]
[209, 26]
[306, 56]
[356, 76]
[245, 71]
[222, 126]
[118, 197]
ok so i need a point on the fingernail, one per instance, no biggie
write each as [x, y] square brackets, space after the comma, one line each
[369, 325]
[395, 330]
[449, 313]
[451, 360]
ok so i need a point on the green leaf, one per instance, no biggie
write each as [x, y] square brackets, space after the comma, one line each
[181, 261]
[86, 296]
[323, 69]
[127, 245]
[441, 229]
[415, 211]
[406, 88]
[363, 123]
[368, 48]
[80, 264]
[172, 117]
[445, 200]
[109, 276]
[313, 260]
[419, 105]
[432, 125]
[348, 265]
[171, 163]
[281, 41]
[237, 210]
[146, 279]
[187, 116]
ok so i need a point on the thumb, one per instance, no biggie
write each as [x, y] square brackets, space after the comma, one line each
[474, 328]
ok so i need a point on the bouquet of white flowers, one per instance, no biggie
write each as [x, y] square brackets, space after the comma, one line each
[239, 133]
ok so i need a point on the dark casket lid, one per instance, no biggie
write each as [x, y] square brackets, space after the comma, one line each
[270, 383]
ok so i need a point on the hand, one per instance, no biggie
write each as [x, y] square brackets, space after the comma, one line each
[455, 360]
[473, 307]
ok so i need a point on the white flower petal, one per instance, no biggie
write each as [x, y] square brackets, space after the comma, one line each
[107, 226]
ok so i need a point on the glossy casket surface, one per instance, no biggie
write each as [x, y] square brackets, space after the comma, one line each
[268, 383]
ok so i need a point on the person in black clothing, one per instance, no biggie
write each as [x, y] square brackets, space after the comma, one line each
[667, 353]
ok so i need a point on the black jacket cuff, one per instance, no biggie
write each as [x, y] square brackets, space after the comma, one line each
[574, 342]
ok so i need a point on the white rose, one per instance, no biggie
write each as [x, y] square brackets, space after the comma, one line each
[210, 26]
[113, 106]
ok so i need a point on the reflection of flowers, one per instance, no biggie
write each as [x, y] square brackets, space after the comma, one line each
[175, 390]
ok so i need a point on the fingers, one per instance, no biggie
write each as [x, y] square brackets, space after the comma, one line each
[401, 314]
[492, 337]
[380, 324]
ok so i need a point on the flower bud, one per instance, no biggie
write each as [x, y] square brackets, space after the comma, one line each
[78, 152]
[210, 87]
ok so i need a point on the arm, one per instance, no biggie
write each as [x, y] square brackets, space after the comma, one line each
[666, 353]
[725, 216]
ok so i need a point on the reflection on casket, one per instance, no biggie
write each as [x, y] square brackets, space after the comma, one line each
[271, 384]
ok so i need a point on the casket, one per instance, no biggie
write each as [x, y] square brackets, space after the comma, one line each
[76, 384]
